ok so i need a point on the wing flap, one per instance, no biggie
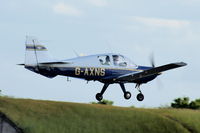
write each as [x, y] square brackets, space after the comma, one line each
[150, 72]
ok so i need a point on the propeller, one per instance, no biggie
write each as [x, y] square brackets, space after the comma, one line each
[152, 62]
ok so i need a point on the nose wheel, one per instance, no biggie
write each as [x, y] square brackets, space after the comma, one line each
[140, 96]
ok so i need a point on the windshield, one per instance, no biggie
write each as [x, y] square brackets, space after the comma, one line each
[104, 60]
[120, 60]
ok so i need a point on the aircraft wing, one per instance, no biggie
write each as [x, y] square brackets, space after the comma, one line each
[156, 70]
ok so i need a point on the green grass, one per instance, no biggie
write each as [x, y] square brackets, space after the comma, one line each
[35, 116]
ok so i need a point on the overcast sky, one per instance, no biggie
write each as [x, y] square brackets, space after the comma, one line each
[169, 29]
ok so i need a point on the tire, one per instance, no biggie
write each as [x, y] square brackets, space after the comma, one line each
[127, 95]
[140, 97]
[99, 97]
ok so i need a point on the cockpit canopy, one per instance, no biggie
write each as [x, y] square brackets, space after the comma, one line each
[115, 60]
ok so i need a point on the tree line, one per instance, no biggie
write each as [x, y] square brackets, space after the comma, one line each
[186, 103]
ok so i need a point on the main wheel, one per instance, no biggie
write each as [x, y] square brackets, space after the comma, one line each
[99, 97]
[140, 97]
[127, 95]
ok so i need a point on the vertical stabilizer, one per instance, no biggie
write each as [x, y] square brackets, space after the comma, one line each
[35, 52]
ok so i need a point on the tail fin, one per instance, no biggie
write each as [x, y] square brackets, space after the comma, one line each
[35, 55]
[35, 52]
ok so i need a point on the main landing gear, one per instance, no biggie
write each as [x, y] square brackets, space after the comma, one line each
[99, 96]
[140, 96]
[127, 94]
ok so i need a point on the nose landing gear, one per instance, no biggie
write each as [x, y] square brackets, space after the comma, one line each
[140, 96]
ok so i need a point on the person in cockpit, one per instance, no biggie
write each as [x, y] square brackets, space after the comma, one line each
[116, 60]
[107, 62]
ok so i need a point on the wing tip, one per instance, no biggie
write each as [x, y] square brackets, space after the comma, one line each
[181, 64]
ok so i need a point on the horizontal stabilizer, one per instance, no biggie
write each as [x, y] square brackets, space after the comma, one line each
[51, 63]
[150, 72]
[21, 64]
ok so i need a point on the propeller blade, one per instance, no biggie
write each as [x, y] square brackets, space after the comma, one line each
[152, 61]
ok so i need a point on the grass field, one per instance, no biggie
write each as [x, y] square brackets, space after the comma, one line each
[35, 116]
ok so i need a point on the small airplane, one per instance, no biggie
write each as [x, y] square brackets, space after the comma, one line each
[108, 68]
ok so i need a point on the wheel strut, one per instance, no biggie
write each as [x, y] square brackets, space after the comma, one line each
[137, 86]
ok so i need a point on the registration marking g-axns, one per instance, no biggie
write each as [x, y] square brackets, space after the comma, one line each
[90, 71]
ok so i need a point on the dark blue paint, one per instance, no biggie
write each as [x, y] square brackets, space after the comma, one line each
[110, 74]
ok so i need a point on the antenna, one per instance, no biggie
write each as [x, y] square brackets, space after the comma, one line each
[68, 80]
[76, 53]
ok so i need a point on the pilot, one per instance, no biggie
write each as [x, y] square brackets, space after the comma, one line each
[107, 62]
[116, 59]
